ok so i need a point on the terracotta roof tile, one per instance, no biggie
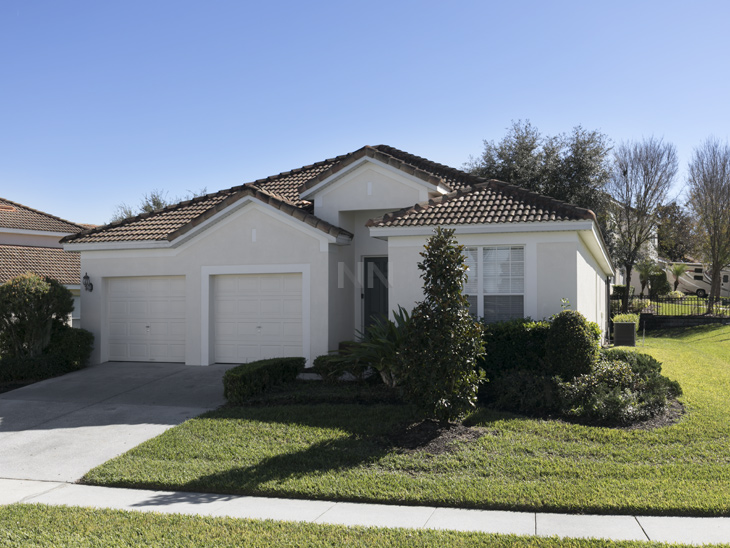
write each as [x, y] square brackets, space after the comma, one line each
[487, 202]
[20, 217]
[169, 223]
[45, 261]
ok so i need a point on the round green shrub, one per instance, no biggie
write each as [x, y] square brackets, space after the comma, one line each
[329, 366]
[572, 344]
[623, 387]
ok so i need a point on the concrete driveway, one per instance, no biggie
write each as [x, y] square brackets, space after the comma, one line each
[58, 429]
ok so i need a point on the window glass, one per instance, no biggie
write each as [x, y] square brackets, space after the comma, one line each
[498, 308]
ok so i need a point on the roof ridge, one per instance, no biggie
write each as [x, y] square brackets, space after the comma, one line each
[41, 213]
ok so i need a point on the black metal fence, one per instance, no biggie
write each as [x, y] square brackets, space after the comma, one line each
[689, 305]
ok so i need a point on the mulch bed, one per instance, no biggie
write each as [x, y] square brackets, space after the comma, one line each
[433, 437]
[672, 415]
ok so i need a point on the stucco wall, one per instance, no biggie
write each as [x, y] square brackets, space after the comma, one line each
[278, 240]
[551, 269]
[368, 186]
[591, 287]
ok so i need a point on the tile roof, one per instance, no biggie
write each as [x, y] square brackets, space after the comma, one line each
[20, 217]
[472, 200]
[45, 261]
[486, 202]
[172, 222]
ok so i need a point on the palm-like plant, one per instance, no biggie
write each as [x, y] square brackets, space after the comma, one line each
[645, 269]
[677, 270]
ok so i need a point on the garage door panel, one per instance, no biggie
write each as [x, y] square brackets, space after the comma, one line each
[271, 308]
[146, 318]
[138, 351]
[292, 308]
[272, 284]
[246, 307]
[292, 331]
[137, 309]
[247, 353]
[267, 316]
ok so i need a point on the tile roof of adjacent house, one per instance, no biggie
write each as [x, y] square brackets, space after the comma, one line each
[500, 202]
[485, 202]
[19, 217]
[53, 262]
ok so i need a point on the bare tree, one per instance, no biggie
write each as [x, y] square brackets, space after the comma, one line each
[642, 174]
[708, 186]
[152, 201]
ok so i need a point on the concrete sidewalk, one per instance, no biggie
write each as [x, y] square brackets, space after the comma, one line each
[663, 529]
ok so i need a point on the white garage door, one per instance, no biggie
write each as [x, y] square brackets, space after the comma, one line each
[257, 316]
[146, 319]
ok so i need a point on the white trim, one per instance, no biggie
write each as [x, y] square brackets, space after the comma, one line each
[332, 179]
[494, 228]
[35, 232]
[207, 272]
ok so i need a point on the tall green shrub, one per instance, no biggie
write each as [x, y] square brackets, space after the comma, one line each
[443, 341]
[572, 344]
[29, 307]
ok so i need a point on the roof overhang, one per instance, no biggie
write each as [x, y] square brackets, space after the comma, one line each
[28, 232]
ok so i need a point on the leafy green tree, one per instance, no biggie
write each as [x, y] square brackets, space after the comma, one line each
[152, 201]
[29, 307]
[674, 233]
[443, 343]
[571, 167]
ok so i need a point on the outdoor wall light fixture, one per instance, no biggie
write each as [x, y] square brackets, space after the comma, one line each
[88, 286]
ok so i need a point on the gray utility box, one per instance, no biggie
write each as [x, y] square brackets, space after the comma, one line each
[624, 334]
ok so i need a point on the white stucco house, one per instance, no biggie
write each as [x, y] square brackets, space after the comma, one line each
[295, 263]
[30, 242]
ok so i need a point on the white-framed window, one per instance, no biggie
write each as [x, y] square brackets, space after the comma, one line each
[495, 285]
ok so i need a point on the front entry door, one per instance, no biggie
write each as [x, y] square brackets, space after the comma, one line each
[375, 293]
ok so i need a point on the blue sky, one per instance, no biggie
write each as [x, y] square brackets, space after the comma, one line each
[104, 101]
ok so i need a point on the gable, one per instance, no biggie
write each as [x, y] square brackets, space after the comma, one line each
[369, 184]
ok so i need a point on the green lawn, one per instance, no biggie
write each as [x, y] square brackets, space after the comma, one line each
[340, 452]
[30, 526]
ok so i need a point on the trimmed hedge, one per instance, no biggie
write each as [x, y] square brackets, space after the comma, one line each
[69, 350]
[329, 366]
[513, 344]
[572, 345]
[250, 379]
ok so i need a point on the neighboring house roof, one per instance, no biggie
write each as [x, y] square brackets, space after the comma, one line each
[473, 200]
[485, 202]
[19, 217]
[45, 261]
[174, 221]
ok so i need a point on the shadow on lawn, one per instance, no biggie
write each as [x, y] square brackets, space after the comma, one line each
[318, 459]
[686, 332]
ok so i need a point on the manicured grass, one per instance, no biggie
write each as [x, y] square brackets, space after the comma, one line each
[340, 452]
[30, 526]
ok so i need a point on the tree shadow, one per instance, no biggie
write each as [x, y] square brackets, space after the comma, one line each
[686, 332]
[318, 459]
